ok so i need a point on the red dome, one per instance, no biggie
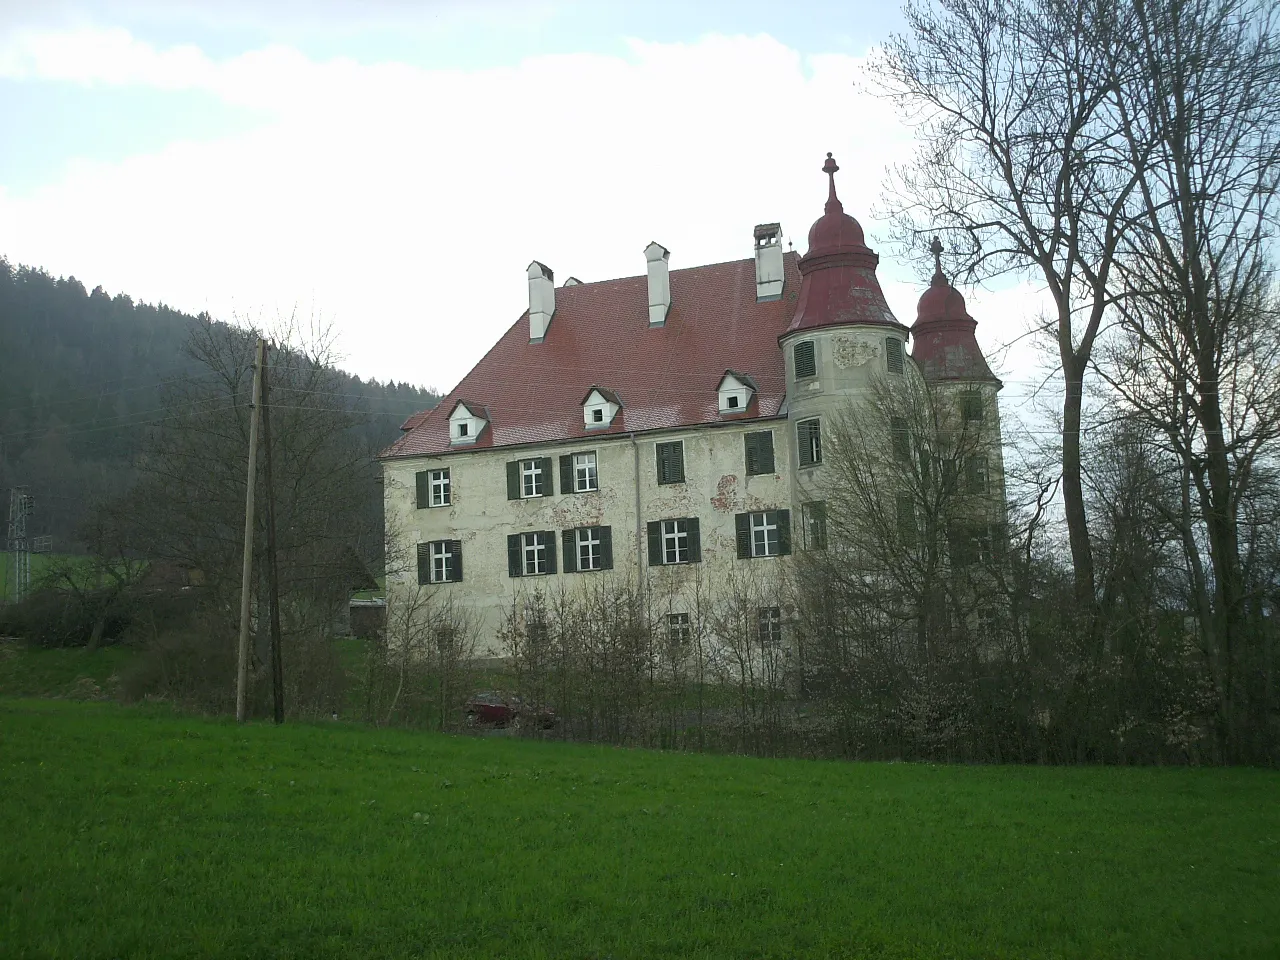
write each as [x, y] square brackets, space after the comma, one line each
[941, 302]
[839, 285]
[943, 342]
[835, 231]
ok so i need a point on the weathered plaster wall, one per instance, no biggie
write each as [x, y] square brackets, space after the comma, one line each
[716, 488]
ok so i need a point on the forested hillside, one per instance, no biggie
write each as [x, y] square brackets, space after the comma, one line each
[84, 376]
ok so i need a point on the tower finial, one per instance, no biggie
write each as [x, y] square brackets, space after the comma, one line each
[833, 202]
[936, 249]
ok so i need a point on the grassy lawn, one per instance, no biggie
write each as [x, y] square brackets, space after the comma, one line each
[131, 833]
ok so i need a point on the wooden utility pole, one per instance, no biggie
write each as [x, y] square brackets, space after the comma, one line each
[246, 576]
[273, 575]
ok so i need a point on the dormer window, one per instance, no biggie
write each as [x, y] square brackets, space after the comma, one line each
[735, 392]
[466, 423]
[599, 407]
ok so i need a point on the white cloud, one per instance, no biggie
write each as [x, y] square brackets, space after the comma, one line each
[405, 203]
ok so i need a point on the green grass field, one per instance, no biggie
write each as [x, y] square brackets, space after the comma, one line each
[135, 833]
[48, 568]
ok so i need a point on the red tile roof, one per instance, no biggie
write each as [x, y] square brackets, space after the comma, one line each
[664, 377]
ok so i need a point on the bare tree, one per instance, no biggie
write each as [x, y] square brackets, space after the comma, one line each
[1021, 160]
[431, 640]
[186, 509]
[910, 592]
[1198, 98]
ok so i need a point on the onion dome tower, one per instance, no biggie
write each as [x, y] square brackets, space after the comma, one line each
[943, 343]
[839, 285]
[842, 339]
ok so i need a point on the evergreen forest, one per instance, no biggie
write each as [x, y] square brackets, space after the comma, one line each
[85, 376]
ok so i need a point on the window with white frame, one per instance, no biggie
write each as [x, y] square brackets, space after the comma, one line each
[440, 561]
[531, 478]
[590, 552]
[440, 488]
[584, 473]
[815, 524]
[679, 629]
[531, 554]
[675, 541]
[587, 549]
[764, 534]
[534, 549]
[770, 626]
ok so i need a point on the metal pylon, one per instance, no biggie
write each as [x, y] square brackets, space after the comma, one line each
[21, 505]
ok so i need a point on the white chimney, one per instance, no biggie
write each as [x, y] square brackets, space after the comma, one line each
[659, 283]
[769, 272]
[542, 300]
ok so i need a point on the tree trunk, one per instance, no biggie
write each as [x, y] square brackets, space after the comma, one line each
[1224, 553]
[1072, 485]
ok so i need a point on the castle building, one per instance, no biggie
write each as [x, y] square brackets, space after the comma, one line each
[666, 427]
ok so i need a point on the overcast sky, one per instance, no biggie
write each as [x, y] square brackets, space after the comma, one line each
[393, 166]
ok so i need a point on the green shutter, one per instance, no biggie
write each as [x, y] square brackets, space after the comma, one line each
[893, 354]
[549, 480]
[670, 461]
[742, 525]
[802, 360]
[420, 480]
[901, 437]
[606, 546]
[665, 470]
[549, 538]
[655, 542]
[513, 481]
[764, 451]
[456, 547]
[695, 540]
[424, 564]
[566, 473]
[760, 453]
[784, 533]
[570, 544]
[514, 566]
[802, 441]
[976, 474]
